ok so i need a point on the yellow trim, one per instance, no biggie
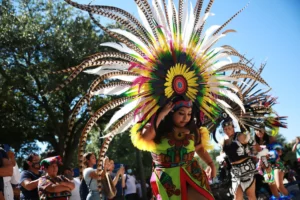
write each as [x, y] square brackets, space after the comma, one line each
[205, 139]
[139, 142]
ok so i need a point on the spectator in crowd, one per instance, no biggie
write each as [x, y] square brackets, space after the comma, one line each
[90, 176]
[51, 185]
[69, 173]
[296, 148]
[6, 169]
[130, 188]
[9, 180]
[30, 177]
[118, 179]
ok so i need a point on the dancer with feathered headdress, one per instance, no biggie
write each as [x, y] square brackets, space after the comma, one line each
[165, 67]
[260, 116]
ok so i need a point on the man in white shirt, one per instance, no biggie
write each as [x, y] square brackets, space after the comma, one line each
[130, 189]
[69, 173]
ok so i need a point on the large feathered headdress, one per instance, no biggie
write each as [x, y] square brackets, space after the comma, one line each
[258, 105]
[162, 55]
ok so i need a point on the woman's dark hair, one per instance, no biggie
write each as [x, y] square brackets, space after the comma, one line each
[29, 158]
[266, 138]
[51, 153]
[86, 158]
[167, 125]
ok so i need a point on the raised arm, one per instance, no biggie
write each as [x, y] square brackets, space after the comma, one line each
[148, 132]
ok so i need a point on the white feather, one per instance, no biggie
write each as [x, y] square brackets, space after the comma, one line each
[123, 111]
[233, 97]
[209, 42]
[93, 71]
[98, 70]
[215, 84]
[185, 15]
[226, 105]
[131, 37]
[124, 78]
[129, 122]
[177, 25]
[154, 12]
[161, 17]
[121, 47]
[218, 65]
[112, 91]
[189, 27]
[145, 22]
[202, 19]
[227, 78]
[208, 33]
[103, 72]
[170, 16]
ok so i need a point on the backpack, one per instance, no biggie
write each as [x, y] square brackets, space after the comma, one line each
[84, 189]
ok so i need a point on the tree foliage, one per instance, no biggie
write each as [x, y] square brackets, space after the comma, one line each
[39, 37]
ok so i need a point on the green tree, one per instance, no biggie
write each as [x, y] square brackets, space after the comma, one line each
[38, 37]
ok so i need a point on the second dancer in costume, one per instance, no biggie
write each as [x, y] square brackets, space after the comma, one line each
[237, 148]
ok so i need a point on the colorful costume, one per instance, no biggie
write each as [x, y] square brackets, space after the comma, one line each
[47, 181]
[242, 174]
[175, 168]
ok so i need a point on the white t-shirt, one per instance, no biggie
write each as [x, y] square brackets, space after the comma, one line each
[91, 183]
[130, 185]
[8, 180]
[75, 191]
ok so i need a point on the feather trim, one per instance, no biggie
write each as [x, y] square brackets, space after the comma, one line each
[205, 139]
[139, 142]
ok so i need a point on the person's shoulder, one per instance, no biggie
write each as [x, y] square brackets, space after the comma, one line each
[76, 180]
[87, 171]
[26, 173]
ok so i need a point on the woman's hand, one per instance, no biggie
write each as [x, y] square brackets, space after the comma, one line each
[166, 109]
[211, 171]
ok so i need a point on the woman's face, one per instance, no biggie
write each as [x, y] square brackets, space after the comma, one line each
[297, 140]
[182, 116]
[228, 130]
[92, 160]
[259, 133]
[52, 169]
[111, 166]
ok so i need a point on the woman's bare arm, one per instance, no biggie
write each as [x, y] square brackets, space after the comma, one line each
[148, 132]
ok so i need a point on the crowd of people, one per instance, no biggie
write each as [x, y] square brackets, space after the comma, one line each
[50, 179]
[176, 139]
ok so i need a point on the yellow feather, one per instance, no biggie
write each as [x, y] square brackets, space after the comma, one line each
[139, 142]
[205, 139]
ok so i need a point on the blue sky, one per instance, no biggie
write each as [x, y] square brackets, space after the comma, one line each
[266, 30]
